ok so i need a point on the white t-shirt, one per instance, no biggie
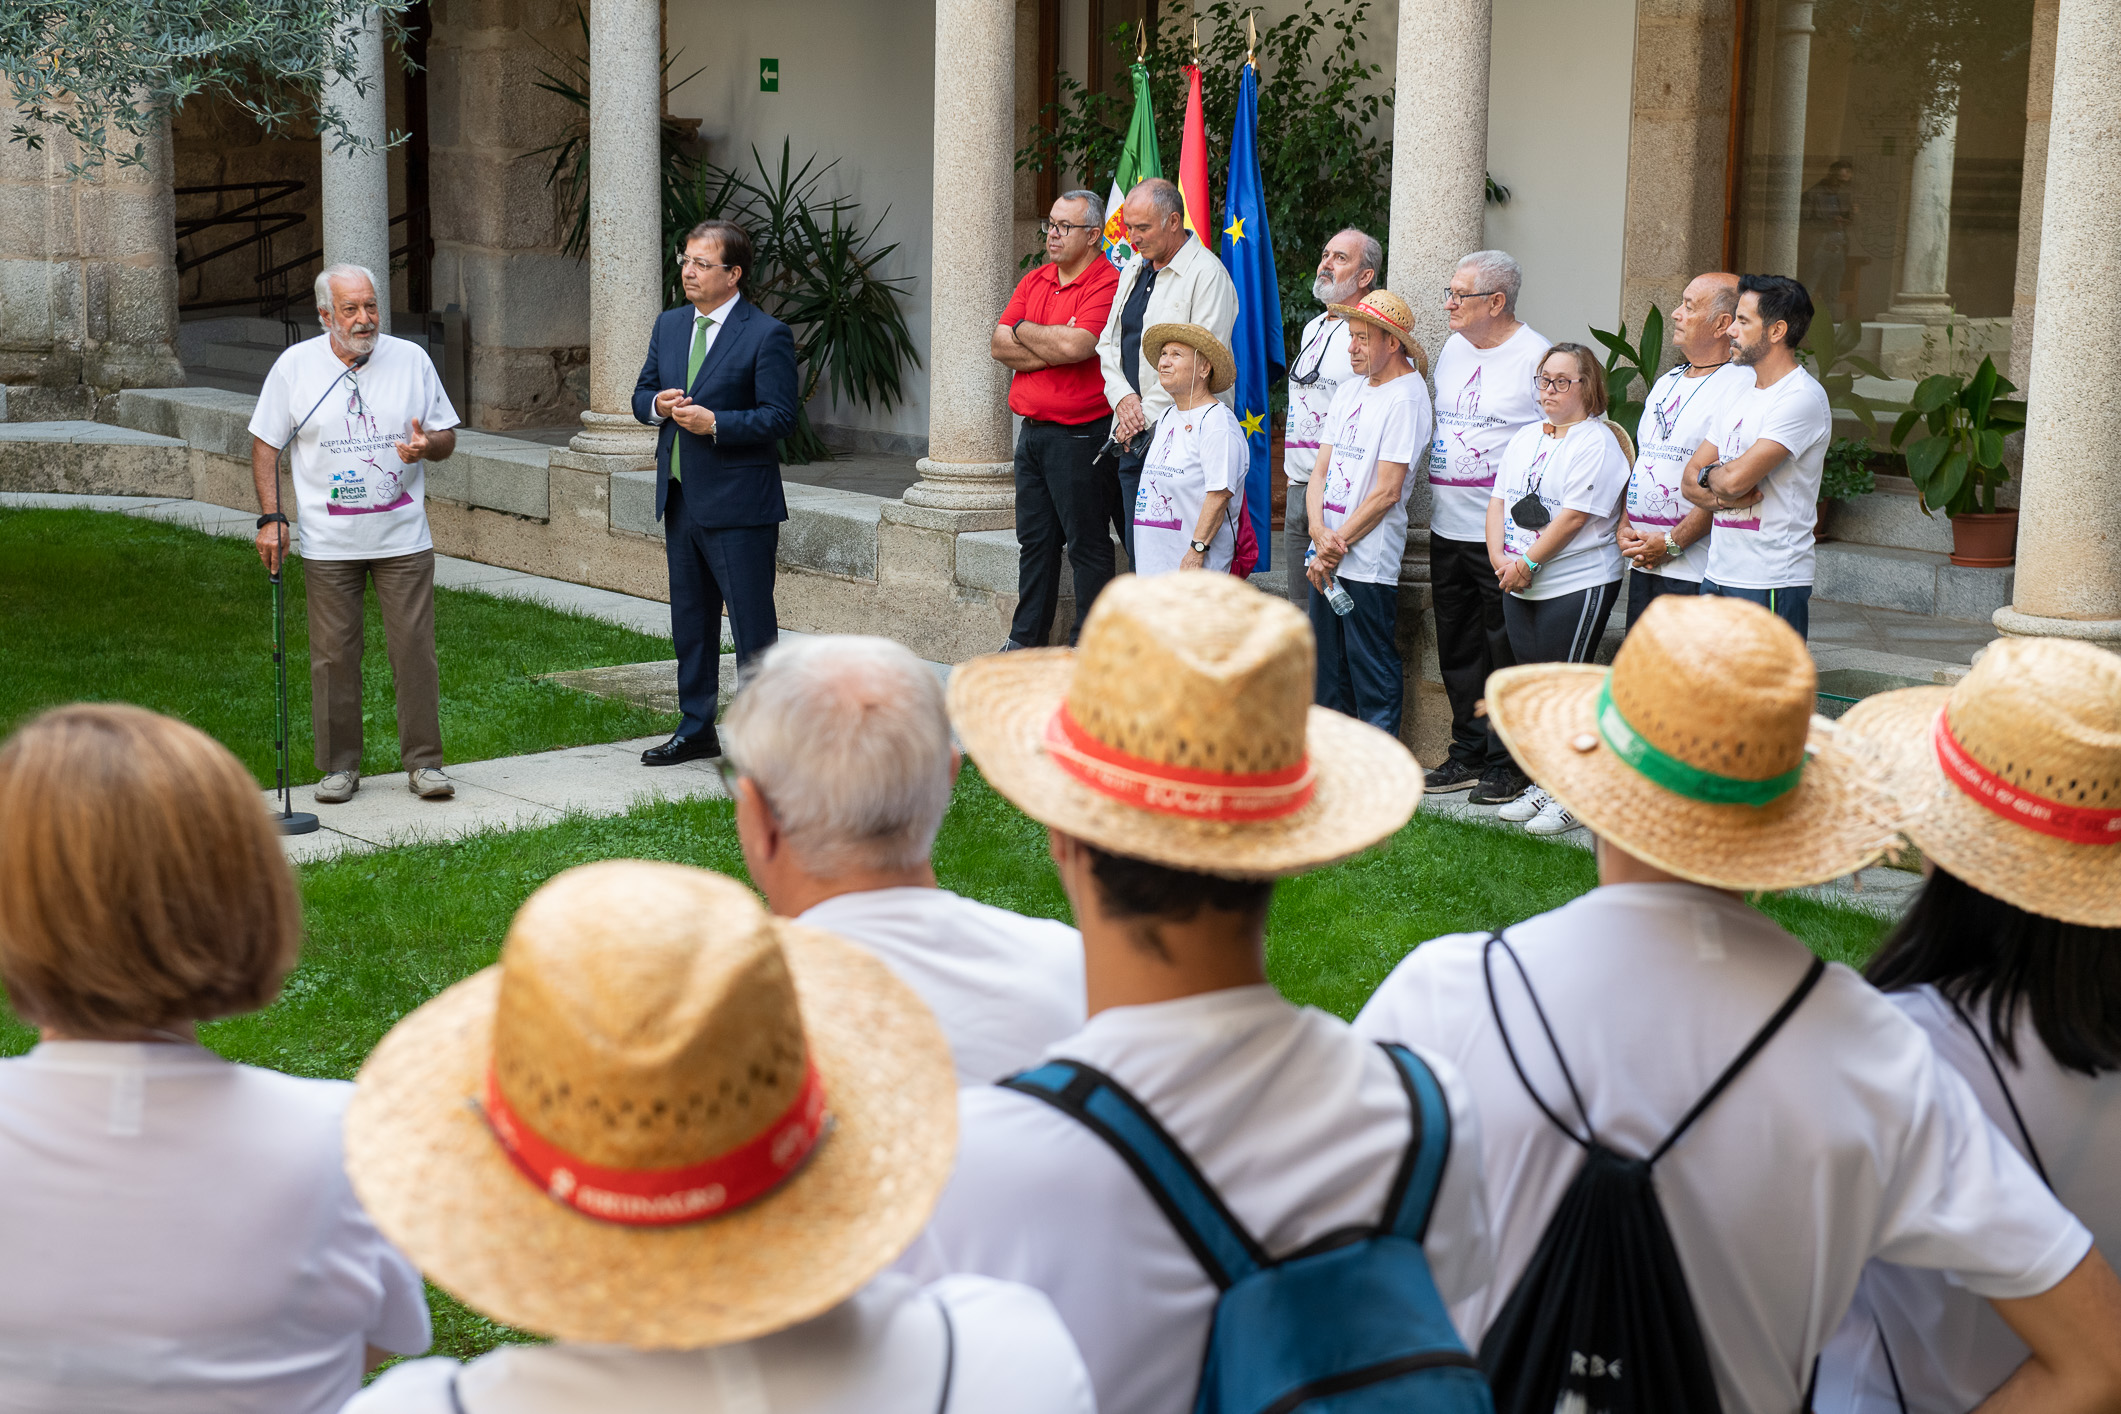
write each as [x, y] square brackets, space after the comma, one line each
[1192, 454]
[1004, 987]
[1676, 420]
[1297, 1124]
[1846, 1137]
[1324, 350]
[180, 1236]
[356, 500]
[1582, 470]
[1948, 1346]
[1769, 545]
[1482, 397]
[882, 1351]
[1367, 425]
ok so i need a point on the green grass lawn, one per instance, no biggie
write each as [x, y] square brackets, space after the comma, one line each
[102, 607]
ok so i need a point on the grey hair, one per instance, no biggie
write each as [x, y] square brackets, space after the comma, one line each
[1372, 258]
[332, 272]
[848, 740]
[1497, 270]
[1090, 199]
[1163, 195]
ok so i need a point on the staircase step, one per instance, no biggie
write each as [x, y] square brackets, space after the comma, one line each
[1912, 581]
[198, 375]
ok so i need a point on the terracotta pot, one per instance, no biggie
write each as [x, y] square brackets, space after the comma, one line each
[1985, 541]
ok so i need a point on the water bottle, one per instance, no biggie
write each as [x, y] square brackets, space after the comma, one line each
[1338, 598]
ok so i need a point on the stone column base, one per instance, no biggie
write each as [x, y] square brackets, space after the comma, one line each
[951, 517]
[614, 434]
[2103, 633]
[988, 487]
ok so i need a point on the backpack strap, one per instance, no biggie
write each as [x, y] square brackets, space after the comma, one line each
[1412, 1197]
[1487, 972]
[942, 1308]
[1226, 1252]
[1753, 1047]
[2032, 1150]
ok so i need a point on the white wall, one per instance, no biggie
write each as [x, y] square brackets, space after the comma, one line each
[1560, 79]
[857, 84]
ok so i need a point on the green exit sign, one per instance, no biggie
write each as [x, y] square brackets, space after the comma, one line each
[769, 76]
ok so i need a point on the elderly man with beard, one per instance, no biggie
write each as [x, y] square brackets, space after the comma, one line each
[1346, 272]
[363, 412]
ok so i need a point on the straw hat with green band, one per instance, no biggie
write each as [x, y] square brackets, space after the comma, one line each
[1698, 752]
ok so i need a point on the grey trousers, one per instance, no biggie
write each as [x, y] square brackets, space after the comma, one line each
[405, 590]
[1295, 540]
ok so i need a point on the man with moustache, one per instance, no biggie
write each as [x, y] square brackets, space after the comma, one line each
[363, 411]
[1347, 270]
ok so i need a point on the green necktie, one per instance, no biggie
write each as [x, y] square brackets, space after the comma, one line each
[692, 373]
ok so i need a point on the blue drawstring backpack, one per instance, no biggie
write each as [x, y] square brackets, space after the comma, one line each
[1352, 1324]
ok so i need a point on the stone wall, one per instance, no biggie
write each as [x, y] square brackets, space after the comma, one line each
[498, 228]
[214, 142]
[88, 286]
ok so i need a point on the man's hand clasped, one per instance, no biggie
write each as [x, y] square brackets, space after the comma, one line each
[1514, 575]
[1331, 551]
[681, 409]
[1127, 419]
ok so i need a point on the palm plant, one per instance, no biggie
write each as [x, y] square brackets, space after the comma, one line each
[1627, 364]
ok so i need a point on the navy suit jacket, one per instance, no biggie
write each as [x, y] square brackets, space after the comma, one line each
[748, 381]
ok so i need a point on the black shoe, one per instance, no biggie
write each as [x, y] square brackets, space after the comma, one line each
[680, 749]
[1499, 786]
[1450, 776]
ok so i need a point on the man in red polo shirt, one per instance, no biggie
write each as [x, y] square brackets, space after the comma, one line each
[1048, 334]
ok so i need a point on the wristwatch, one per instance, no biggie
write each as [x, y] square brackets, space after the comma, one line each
[269, 517]
[1672, 548]
[1706, 472]
[1531, 566]
[1199, 547]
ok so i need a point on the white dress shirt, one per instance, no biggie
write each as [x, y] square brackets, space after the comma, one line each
[882, 1351]
[1004, 987]
[1846, 1137]
[1297, 1123]
[1193, 289]
[712, 320]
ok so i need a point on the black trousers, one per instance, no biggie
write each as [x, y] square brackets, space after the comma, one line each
[1564, 629]
[1063, 503]
[712, 566]
[1642, 588]
[1471, 642]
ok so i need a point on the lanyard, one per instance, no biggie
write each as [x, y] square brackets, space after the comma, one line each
[1318, 341]
[1680, 372]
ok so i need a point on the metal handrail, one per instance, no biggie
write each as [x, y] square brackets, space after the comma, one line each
[264, 225]
[298, 262]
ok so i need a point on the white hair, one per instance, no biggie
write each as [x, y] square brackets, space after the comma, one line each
[848, 739]
[1497, 270]
[333, 272]
[1372, 257]
[1093, 204]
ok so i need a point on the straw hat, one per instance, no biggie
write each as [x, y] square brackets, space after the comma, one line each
[1691, 753]
[717, 1124]
[1393, 315]
[2012, 779]
[1222, 365]
[1181, 731]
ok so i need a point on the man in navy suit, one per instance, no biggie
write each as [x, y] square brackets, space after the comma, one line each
[720, 383]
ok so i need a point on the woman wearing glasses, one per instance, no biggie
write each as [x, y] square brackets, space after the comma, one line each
[1551, 518]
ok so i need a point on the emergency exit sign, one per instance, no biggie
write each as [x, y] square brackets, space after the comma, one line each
[769, 76]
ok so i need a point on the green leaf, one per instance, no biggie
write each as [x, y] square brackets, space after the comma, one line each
[1864, 366]
[1652, 346]
[1923, 459]
[1980, 392]
[1903, 426]
[1950, 477]
[2006, 415]
[1988, 448]
[1935, 391]
[1616, 344]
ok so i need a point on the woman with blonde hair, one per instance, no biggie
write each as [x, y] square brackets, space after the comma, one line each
[179, 1231]
[1557, 500]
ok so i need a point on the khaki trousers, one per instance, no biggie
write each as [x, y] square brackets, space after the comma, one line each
[405, 590]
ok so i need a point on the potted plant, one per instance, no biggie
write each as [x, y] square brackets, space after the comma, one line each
[1957, 461]
[1847, 476]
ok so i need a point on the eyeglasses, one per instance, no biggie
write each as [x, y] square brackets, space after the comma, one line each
[1048, 227]
[688, 263]
[1452, 297]
[1553, 385]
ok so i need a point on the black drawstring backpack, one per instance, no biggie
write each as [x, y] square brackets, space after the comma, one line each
[1601, 1321]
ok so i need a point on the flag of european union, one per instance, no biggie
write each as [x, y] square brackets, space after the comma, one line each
[1256, 340]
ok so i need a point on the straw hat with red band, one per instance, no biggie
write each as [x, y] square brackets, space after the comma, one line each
[1698, 752]
[2012, 779]
[1393, 315]
[1181, 731]
[664, 1120]
[1222, 364]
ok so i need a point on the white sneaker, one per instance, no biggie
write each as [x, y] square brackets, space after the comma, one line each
[1525, 806]
[1554, 819]
[338, 787]
[428, 783]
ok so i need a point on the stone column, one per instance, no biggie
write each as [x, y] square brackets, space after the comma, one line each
[1925, 264]
[625, 223]
[2069, 585]
[2032, 194]
[968, 466]
[1785, 193]
[355, 185]
[1439, 155]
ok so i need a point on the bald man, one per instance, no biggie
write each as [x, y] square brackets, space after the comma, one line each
[1663, 537]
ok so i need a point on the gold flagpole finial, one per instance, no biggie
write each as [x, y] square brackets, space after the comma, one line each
[1196, 41]
[1251, 38]
[1141, 39]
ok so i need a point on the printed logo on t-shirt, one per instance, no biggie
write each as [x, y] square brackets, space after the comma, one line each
[1734, 444]
[1152, 501]
[1460, 456]
[366, 480]
[1347, 459]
